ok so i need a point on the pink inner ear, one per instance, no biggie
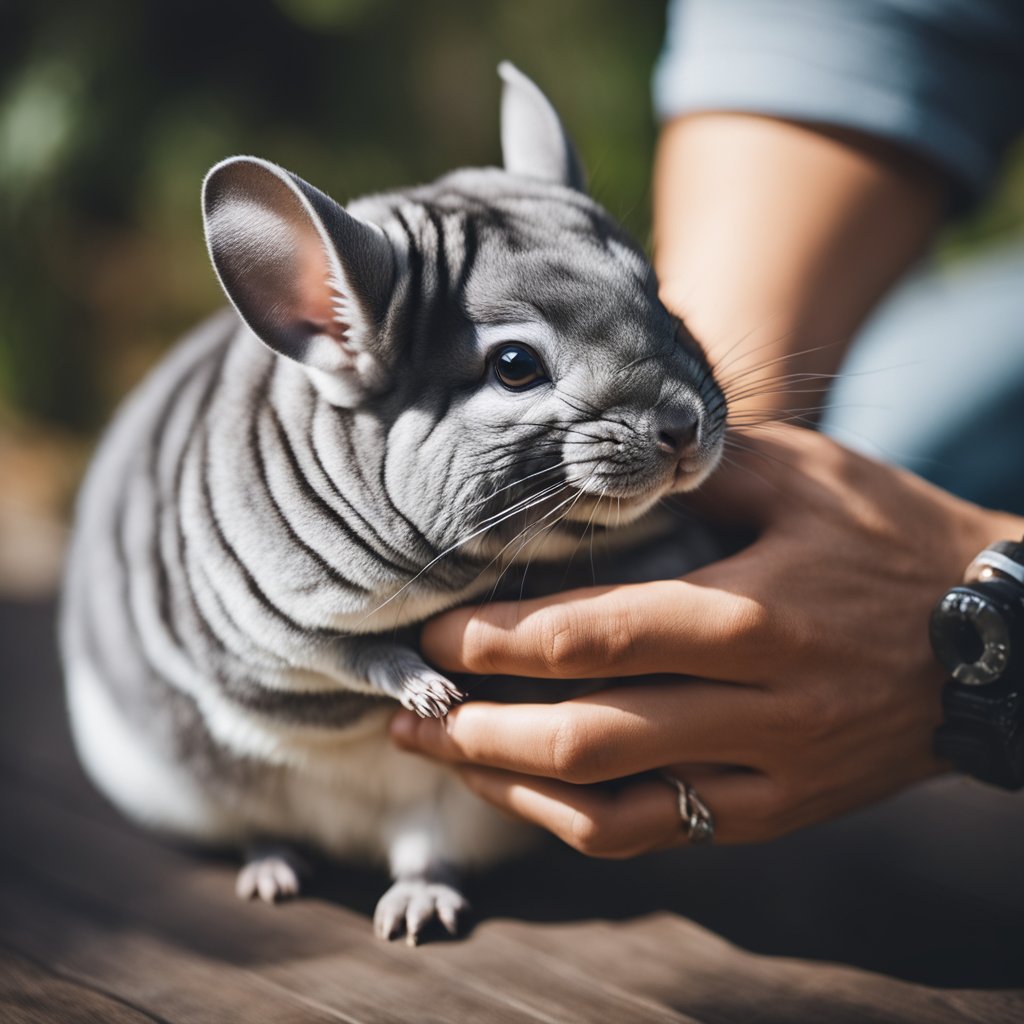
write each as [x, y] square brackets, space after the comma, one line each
[317, 294]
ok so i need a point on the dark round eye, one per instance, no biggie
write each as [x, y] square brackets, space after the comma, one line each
[518, 368]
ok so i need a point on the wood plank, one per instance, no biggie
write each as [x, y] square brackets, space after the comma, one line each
[657, 968]
[31, 993]
[504, 973]
[89, 945]
[161, 929]
[130, 885]
[698, 973]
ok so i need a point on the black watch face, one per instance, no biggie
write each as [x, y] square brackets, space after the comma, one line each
[971, 634]
[977, 633]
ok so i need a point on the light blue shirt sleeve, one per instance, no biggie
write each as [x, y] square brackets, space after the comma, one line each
[943, 77]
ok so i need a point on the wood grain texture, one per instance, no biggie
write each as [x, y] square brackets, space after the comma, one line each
[102, 922]
[31, 992]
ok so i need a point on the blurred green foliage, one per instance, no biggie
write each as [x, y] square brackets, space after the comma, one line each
[111, 111]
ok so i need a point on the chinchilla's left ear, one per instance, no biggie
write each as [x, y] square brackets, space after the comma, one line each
[311, 280]
[533, 141]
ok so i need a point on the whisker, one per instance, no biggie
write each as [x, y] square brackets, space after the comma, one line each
[731, 352]
[524, 503]
[447, 551]
[516, 483]
[571, 500]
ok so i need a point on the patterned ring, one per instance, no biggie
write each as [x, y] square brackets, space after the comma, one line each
[698, 821]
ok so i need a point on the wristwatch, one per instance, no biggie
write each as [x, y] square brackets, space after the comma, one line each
[977, 633]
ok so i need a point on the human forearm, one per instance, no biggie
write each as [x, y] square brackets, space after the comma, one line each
[773, 240]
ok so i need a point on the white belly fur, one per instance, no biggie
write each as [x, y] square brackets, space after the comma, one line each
[357, 798]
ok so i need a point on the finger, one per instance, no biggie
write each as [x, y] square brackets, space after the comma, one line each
[678, 626]
[606, 735]
[630, 819]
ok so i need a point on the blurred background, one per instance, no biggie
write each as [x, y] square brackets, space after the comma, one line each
[111, 112]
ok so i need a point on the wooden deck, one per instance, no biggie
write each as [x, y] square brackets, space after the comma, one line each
[869, 919]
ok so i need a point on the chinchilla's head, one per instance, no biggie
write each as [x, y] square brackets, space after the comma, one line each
[503, 328]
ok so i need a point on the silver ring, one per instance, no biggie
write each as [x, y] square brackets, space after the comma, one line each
[698, 821]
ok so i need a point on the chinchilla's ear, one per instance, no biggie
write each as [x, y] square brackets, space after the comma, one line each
[533, 141]
[311, 280]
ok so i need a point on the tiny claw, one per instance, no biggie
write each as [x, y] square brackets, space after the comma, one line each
[411, 904]
[449, 918]
[267, 888]
[270, 878]
[245, 885]
[386, 926]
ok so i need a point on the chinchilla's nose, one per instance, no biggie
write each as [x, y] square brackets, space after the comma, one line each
[675, 432]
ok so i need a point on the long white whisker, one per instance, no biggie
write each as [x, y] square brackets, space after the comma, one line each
[549, 469]
[447, 551]
[571, 499]
[524, 503]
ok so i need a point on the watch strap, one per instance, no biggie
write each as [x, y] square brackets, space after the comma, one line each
[983, 731]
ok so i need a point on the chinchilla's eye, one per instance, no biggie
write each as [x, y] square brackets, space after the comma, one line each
[518, 368]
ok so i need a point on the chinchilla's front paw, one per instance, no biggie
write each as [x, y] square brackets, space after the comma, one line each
[429, 694]
[401, 673]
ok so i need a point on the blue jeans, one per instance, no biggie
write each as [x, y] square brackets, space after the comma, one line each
[935, 381]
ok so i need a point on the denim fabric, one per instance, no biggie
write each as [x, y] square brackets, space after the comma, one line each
[943, 77]
[935, 381]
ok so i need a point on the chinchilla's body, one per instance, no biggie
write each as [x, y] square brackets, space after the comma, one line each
[452, 378]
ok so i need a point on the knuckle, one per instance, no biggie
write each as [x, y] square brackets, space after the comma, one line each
[745, 620]
[615, 644]
[570, 756]
[561, 645]
[571, 645]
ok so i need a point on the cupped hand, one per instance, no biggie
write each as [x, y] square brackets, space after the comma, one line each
[789, 683]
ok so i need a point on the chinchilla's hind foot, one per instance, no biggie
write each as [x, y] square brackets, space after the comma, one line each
[411, 904]
[270, 874]
[404, 675]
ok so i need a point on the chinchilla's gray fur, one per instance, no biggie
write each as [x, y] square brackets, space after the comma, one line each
[265, 522]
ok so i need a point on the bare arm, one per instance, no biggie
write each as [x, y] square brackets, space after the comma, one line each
[773, 240]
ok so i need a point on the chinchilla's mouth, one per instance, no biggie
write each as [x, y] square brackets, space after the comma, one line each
[615, 502]
[611, 510]
[689, 474]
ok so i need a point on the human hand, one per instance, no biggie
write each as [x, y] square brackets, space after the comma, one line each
[810, 688]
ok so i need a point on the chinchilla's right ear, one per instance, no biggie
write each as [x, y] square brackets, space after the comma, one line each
[311, 280]
[533, 141]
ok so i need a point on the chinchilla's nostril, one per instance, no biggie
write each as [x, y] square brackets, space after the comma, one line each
[677, 432]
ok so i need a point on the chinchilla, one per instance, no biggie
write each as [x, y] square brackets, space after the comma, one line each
[411, 394]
